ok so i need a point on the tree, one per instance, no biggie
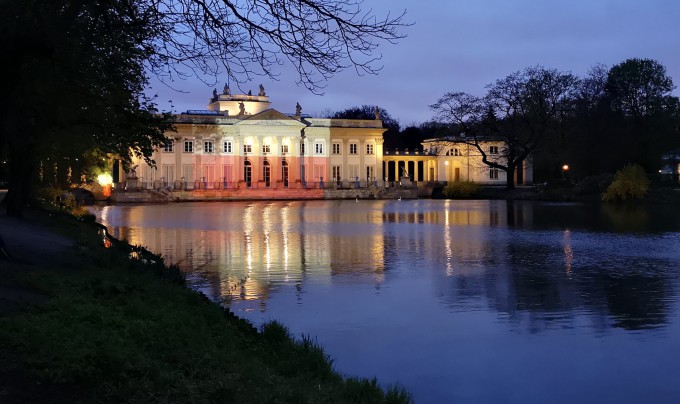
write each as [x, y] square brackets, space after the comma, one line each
[639, 88]
[251, 37]
[639, 91]
[368, 112]
[79, 67]
[526, 110]
[593, 128]
[76, 85]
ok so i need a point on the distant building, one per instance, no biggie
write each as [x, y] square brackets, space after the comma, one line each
[451, 159]
[241, 148]
[241, 144]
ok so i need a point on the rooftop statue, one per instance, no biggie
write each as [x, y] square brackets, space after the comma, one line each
[377, 112]
[214, 94]
[298, 109]
[262, 93]
[226, 90]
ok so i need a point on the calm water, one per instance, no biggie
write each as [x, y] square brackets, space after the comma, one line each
[458, 301]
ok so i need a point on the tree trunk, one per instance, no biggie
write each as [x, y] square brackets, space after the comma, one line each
[510, 179]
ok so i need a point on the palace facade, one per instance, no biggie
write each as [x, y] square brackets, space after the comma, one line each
[240, 144]
[241, 148]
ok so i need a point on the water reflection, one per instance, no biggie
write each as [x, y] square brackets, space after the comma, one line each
[460, 301]
[518, 257]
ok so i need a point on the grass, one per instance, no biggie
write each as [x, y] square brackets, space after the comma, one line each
[116, 329]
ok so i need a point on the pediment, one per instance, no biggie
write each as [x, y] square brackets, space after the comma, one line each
[271, 117]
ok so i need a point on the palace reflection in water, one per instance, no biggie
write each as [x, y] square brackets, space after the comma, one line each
[493, 249]
[389, 286]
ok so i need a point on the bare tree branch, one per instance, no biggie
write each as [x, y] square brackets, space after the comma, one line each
[243, 38]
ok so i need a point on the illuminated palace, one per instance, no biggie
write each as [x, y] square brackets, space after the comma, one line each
[241, 148]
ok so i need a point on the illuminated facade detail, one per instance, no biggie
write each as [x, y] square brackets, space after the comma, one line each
[452, 159]
[207, 147]
[242, 148]
[188, 146]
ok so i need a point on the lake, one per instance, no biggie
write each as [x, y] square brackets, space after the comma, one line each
[457, 301]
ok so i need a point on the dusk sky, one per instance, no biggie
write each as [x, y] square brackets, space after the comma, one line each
[463, 45]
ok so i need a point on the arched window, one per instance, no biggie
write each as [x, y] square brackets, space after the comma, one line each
[248, 173]
[266, 173]
[284, 173]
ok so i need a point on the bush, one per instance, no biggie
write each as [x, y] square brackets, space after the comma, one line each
[461, 190]
[629, 183]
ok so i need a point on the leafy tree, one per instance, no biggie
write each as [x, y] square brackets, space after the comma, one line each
[76, 84]
[592, 128]
[79, 68]
[639, 91]
[623, 115]
[368, 112]
[527, 110]
[639, 87]
[412, 136]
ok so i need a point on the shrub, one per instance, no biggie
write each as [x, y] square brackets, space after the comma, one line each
[461, 190]
[629, 183]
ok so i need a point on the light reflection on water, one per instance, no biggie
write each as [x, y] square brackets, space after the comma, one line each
[468, 301]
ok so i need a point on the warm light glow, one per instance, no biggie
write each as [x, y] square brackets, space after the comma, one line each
[104, 179]
[565, 167]
[446, 163]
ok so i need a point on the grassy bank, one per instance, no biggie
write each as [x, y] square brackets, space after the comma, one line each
[115, 325]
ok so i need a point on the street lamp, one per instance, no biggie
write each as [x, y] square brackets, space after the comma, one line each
[565, 169]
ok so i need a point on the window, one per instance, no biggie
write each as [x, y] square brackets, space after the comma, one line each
[284, 173]
[169, 145]
[336, 173]
[188, 146]
[493, 173]
[207, 147]
[336, 148]
[493, 149]
[228, 172]
[227, 146]
[319, 170]
[369, 173]
[284, 149]
[302, 148]
[352, 148]
[354, 172]
[248, 173]
[318, 148]
[266, 149]
[266, 173]
[168, 174]
[247, 148]
[369, 148]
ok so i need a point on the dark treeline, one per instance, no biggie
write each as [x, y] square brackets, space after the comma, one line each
[596, 124]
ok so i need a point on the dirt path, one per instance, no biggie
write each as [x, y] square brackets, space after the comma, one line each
[26, 244]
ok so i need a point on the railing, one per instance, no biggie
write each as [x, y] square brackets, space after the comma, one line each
[199, 185]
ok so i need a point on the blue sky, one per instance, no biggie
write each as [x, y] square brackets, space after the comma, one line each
[462, 45]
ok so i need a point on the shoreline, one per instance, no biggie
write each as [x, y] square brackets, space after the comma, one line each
[74, 315]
